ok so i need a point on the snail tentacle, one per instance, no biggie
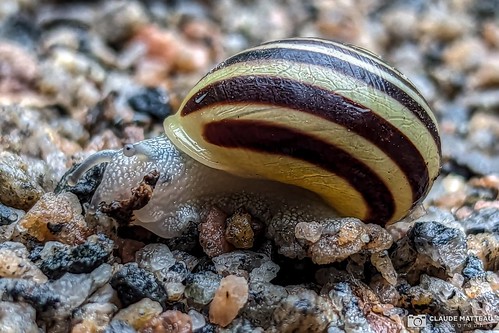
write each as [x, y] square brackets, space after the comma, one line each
[91, 161]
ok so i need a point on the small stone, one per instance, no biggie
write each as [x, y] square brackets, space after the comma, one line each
[309, 231]
[155, 257]
[14, 263]
[175, 291]
[465, 54]
[349, 308]
[473, 268]
[133, 284]
[240, 263]
[17, 317]
[118, 21]
[238, 231]
[444, 246]
[485, 220]
[487, 73]
[55, 258]
[485, 247]
[119, 326]
[56, 300]
[301, 311]
[127, 248]
[167, 51]
[491, 33]
[230, 297]
[92, 317]
[437, 24]
[263, 299]
[212, 233]
[386, 292]
[242, 325]
[139, 314]
[201, 287]
[152, 101]
[9, 215]
[17, 188]
[383, 264]
[19, 68]
[197, 319]
[189, 260]
[341, 238]
[56, 218]
[170, 321]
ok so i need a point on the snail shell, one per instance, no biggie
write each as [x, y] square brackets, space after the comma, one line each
[328, 117]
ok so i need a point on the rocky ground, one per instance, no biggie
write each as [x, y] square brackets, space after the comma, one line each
[79, 77]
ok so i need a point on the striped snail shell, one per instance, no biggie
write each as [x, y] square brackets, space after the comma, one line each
[328, 117]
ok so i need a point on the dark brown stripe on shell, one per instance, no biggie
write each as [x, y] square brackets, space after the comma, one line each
[345, 68]
[267, 138]
[303, 97]
[351, 50]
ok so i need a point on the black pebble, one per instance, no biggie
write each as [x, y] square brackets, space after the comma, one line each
[152, 101]
[473, 267]
[134, 283]
[78, 259]
[434, 234]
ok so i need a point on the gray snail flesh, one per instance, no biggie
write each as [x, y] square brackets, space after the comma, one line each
[294, 130]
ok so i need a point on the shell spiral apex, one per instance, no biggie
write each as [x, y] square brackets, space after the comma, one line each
[325, 116]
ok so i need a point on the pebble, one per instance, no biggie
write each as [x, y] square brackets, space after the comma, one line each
[212, 233]
[92, 317]
[17, 317]
[473, 268]
[230, 297]
[446, 247]
[383, 264]
[263, 299]
[341, 238]
[56, 258]
[348, 305]
[56, 218]
[118, 21]
[486, 247]
[17, 188]
[197, 320]
[19, 68]
[54, 301]
[154, 258]
[138, 315]
[485, 220]
[200, 288]
[238, 230]
[170, 321]
[134, 283]
[151, 101]
[259, 266]
[15, 263]
[119, 326]
[302, 311]
[9, 215]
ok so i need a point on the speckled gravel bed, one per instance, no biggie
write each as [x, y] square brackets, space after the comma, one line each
[79, 77]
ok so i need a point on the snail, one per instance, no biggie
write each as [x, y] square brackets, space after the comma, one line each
[293, 129]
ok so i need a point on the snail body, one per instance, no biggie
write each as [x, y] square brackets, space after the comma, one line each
[330, 122]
